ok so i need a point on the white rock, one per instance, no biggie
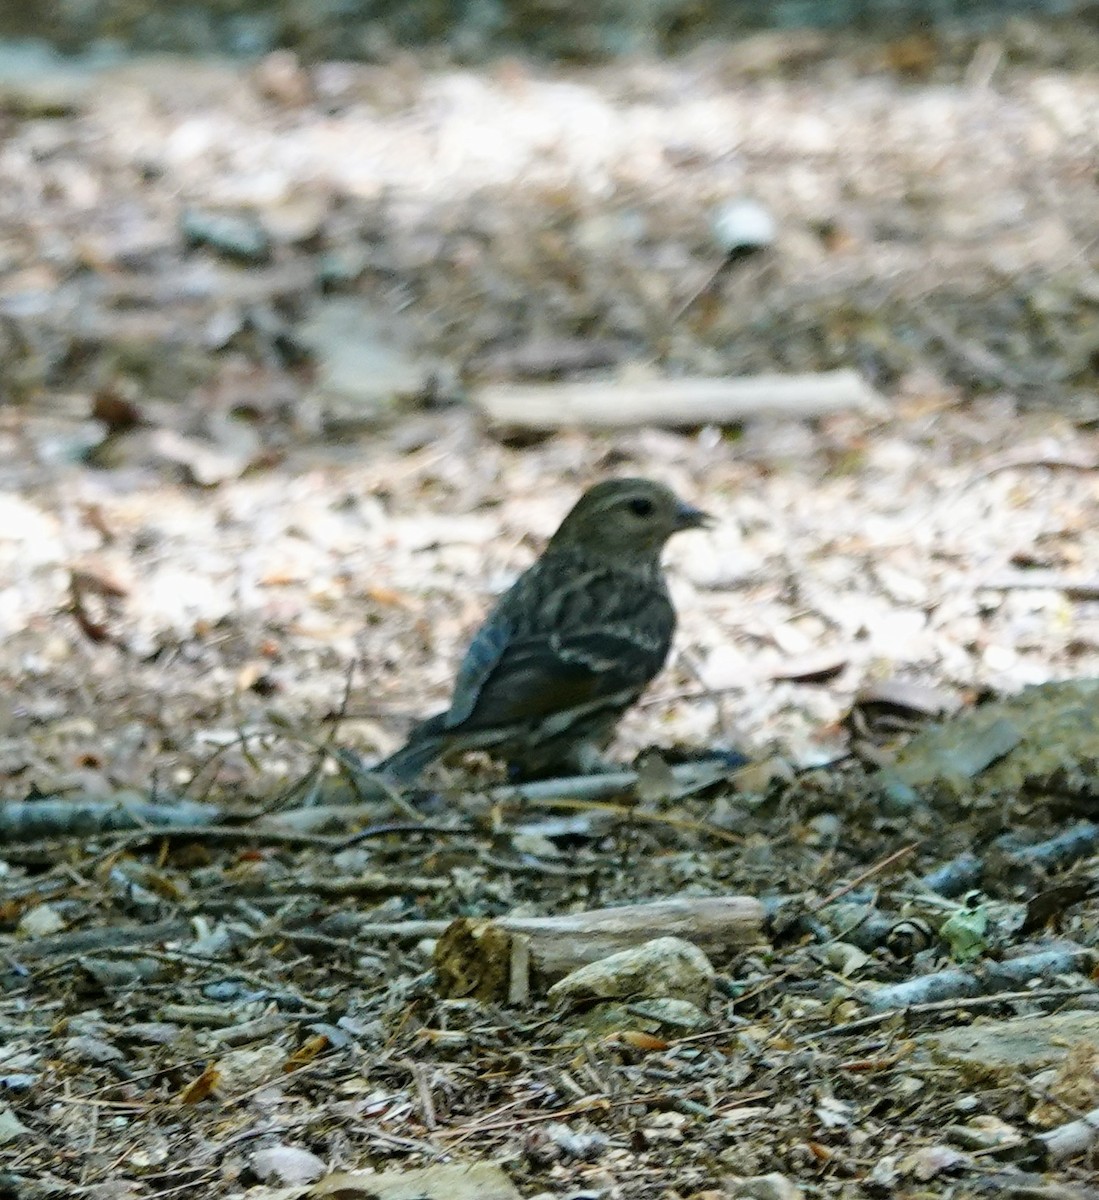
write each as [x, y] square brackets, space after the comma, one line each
[287, 1165]
[743, 224]
[665, 967]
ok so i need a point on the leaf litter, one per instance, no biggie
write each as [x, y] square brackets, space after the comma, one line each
[218, 580]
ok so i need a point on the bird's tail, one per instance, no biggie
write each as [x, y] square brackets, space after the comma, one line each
[425, 744]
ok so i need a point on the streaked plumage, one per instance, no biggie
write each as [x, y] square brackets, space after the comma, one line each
[570, 646]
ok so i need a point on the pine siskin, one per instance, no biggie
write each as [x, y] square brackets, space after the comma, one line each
[570, 646]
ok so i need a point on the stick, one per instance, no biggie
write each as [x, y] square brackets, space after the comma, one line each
[54, 817]
[106, 938]
[689, 777]
[1053, 581]
[879, 866]
[938, 1006]
[716, 924]
[618, 403]
[985, 980]
[560, 944]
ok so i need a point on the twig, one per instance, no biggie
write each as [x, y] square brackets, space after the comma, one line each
[240, 739]
[559, 943]
[1054, 581]
[403, 931]
[988, 979]
[613, 404]
[53, 817]
[638, 814]
[230, 833]
[953, 1005]
[114, 937]
[864, 876]
[689, 777]
[183, 958]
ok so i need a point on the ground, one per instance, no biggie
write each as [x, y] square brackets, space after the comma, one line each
[225, 548]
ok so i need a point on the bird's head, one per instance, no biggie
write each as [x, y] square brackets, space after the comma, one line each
[628, 519]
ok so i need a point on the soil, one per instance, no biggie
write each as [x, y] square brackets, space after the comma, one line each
[226, 552]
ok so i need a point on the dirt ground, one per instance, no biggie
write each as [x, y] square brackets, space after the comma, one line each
[223, 544]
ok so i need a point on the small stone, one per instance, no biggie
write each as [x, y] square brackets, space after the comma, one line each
[665, 967]
[288, 1165]
[990, 1048]
[742, 225]
[580, 1145]
[40, 921]
[236, 236]
[363, 367]
[763, 1187]
[92, 1050]
[11, 1128]
[241, 1070]
[674, 1014]
[457, 1181]
[984, 1133]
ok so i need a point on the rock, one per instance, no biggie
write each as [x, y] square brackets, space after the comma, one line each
[363, 367]
[990, 1048]
[557, 1141]
[904, 699]
[40, 921]
[642, 1018]
[763, 1187]
[925, 1162]
[241, 1070]
[237, 236]
[986, 1133]
[456, 1181]
[286, 1165]
[88, 1049]
[11, 1128]
[672, 1014]
[741, 226]
[666, 967]
[606, 1020]
[1044, 738]
[36, 82]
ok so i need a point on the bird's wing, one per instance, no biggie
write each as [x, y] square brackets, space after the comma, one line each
[488, 647]
[548, 649]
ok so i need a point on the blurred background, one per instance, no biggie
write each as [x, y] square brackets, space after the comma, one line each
[277, 279]
[361, 29]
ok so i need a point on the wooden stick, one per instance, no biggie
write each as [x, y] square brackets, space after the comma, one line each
[715, 924]
[83, 816]
[559, 944]
[939, 1006]
[688, 777]
[1053, 581]
[617, 403]
[981, 980]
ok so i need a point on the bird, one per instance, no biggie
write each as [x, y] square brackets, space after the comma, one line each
[569, 647]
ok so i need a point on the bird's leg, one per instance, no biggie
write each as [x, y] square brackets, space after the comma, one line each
[581, 757]
[588, 759]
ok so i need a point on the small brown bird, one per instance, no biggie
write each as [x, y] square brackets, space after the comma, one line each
[570, 646]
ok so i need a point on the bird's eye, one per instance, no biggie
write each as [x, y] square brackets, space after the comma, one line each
[641, 507]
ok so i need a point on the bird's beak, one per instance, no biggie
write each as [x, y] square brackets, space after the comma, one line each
[689, 517]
